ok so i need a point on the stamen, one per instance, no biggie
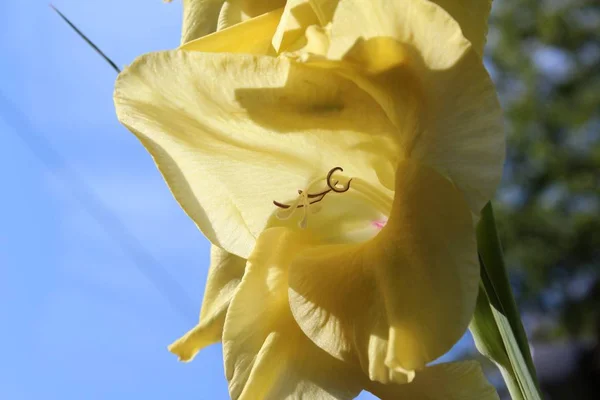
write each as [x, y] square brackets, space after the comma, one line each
[332, 186]
[288, 211]
[304, 221]
[310, 196]
[306, 199]
[281, 205]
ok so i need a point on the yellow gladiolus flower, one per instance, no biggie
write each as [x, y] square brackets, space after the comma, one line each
[336, 154]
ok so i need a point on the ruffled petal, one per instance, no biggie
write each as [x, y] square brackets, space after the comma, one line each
[403, 19]
[297, 16]
[199, 18]
[452, 381]
[402, 299]
[237, 11]
[266, 354]
[421, 25]
[224, 275]
[231, 133]
[251, 37]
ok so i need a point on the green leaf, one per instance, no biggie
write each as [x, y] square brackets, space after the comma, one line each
[496, 326]
[88, 41]
[489, 342]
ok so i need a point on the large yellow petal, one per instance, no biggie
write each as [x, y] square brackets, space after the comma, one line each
[450, 120]
[266, 354]
[236, 11]
[463, 133]
[405, 297]
[231, 133]
[199, 18]
[451, 381]
[224, 275]
[412, 57]
[252, 36]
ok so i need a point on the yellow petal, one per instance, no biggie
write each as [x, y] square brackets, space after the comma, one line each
[252, 36]
[451, 381]
[413, 59]
[236, 11]
[266, 354]
[297, 16]
[232, 133]
[224, 275]
[403, 298]
[472, 16]
[419, 24]
[199, 18]
[450, 119]
[463, 137]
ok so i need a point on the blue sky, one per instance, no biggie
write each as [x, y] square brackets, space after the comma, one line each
[80, 319]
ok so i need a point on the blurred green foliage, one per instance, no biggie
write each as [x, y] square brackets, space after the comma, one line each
[545, 58]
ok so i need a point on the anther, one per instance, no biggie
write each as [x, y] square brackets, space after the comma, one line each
[333, 186]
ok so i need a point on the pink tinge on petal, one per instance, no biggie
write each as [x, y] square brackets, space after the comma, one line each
[379, 223]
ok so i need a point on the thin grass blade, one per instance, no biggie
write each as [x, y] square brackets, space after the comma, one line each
[88, 41]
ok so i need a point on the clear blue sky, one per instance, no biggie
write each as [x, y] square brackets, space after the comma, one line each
[80, 319]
